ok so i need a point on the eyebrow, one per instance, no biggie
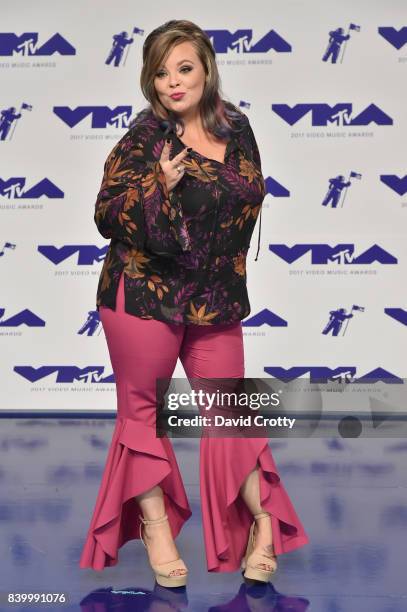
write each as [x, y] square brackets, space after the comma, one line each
[181, 61]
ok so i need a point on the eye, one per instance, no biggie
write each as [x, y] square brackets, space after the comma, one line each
[183, 69]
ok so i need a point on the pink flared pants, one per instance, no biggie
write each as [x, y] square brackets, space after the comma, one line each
[142, 350]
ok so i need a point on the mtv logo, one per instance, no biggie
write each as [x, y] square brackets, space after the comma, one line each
[101, 116]
[397, 184]
[323, 114]
[24, 317]
[398, 314]
[397, 38]
[341, 254]
[241, 41]
[323, 374]
[275, 188]
[27, 45]
[265, 317]
[65, 374]
[13, 188]
[88, 254]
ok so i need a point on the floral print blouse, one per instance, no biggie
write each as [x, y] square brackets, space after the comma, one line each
[183, 253]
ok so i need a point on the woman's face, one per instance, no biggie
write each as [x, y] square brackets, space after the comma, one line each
[182, 72]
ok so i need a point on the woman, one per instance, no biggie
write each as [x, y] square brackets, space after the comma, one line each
[179, 200]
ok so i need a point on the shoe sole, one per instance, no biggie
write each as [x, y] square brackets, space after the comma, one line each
[175, 581]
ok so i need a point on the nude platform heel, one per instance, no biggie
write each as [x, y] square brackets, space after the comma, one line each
[253, 559]
[163, 570]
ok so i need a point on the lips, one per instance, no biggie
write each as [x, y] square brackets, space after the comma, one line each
[177, 96]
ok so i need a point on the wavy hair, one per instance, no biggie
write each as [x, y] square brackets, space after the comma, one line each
[219, 117]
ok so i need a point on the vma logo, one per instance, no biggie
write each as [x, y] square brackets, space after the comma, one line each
[265, 317]
[276, 189]
[397, 38]
[339, 254]
[27, 45]
[25, 317]
[323, 375]
[397, 184]
[340, 114]
[398, 314]
[101, 116]
[88, 254]
[241, 42]
[14, 188]
[65, 374]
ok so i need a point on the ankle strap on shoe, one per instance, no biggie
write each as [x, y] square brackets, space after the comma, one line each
[261, 515]
[153, 522]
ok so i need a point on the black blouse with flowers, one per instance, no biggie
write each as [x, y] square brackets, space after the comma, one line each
[183, 253]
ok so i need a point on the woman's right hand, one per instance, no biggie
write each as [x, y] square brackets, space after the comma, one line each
[169, 166]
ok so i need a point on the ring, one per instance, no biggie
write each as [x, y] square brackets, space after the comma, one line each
[179, 169]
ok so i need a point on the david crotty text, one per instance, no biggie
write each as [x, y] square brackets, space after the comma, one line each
[220, 421]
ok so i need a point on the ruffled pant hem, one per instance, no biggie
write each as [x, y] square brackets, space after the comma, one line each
[137, 461]
[226, 518]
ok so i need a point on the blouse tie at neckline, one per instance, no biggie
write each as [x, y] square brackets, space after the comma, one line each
[258, 244]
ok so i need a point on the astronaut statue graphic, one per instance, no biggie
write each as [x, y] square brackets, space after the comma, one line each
[337, 319]
[336, 40]
[7, 245]
[337, 185]
[120, 44]
[7, 118]
[91, 324]
[333, 195]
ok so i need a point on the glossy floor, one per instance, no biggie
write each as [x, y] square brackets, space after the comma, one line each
[350, 495]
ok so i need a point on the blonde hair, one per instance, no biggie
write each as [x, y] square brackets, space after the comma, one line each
[218, 116]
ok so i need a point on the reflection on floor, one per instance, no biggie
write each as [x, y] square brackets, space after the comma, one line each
[350, 495]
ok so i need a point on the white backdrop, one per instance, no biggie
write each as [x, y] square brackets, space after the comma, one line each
[46, 290]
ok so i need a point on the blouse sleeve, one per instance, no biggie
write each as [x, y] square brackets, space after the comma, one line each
[118, 208]
[134, 205]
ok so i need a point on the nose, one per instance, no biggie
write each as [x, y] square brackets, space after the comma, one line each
[174, 80]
